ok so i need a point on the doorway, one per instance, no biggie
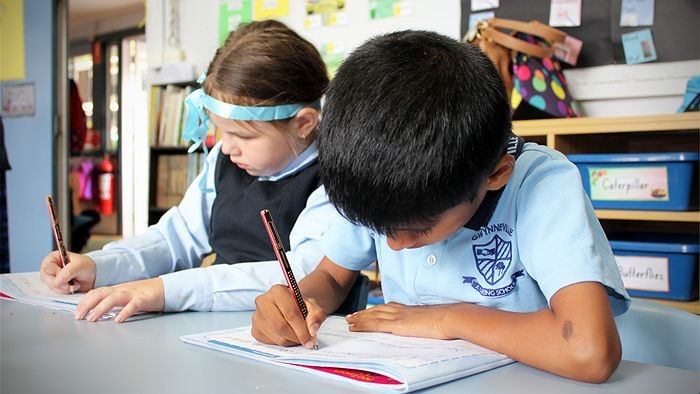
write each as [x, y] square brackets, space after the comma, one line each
[103, 79]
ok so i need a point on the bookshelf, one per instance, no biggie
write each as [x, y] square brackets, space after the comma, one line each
[639, 134]
[171, 169]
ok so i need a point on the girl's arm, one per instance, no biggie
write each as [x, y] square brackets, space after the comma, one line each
[178, 241]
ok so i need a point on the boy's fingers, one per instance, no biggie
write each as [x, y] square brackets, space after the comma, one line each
[273, 329]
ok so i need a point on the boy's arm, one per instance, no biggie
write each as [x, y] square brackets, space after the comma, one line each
[277, 319]
[576, 337]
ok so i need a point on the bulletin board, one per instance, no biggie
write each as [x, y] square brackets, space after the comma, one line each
[192, 36]
[676, 28]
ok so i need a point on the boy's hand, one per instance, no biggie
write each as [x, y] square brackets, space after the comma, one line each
[81, 270]
[278, 321]
[146, 295]
[399, 319]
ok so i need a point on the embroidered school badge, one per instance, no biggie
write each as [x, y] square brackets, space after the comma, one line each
[492, 261]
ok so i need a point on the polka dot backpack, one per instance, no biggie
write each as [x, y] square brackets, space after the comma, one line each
[526, 56]
[540, 83]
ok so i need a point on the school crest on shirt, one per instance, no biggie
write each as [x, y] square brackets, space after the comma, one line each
[492, 261]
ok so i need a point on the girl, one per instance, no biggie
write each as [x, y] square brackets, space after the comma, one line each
[262, 90]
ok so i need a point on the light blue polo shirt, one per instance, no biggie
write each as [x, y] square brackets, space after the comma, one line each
[542, 235]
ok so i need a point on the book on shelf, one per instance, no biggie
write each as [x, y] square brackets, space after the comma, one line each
[375, 361]
[167, 114]
[175, 172]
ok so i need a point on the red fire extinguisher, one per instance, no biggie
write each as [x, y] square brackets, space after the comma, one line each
[106, 186]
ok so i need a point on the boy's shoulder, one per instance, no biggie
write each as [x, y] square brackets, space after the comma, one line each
[534, 150]
[540, 157]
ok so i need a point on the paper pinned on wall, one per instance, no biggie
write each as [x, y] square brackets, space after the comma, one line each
[12, 61]
[478, 5]
[18, 99]
[639, 47]
[270, 9]
[321, 13]
[380, 9]
[637, 13]
[563, 13]
[231, 14]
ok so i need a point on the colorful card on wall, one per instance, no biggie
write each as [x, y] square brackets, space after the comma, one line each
[478, 5]
[231, 14]
[639, 47]
[564, 13]
[379, 9]
[332, 53]
[637, 13]
[325, 13]
[270, 9]
[478, 16]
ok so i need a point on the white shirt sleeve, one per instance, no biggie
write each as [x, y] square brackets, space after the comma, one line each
[178, 241]
[234, 287]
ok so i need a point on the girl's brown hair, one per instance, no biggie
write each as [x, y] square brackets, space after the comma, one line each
[266, 63]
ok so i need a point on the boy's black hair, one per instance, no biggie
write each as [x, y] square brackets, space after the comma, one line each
[412, 125]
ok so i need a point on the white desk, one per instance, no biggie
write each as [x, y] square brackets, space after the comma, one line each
[43, 351]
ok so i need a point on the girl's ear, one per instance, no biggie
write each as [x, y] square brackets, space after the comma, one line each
[500, 175]
[305, 121]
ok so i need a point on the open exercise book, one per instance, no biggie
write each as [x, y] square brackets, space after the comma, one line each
[27, 288]
[377, 361]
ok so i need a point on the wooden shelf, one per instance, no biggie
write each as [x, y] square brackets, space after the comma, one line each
[640, 134]
[688, 306]
[665, 216]
[626, 124]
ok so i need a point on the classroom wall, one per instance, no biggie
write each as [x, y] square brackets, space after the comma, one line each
[601, 90]
[29, 143]
[196, 30]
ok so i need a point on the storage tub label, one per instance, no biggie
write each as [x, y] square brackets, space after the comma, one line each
[644, 272]
[628, 184]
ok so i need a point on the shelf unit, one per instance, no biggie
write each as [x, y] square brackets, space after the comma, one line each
[155, 211]
[638, 134]
[168, 179]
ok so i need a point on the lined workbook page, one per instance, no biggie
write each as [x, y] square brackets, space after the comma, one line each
[414, 362]
[28, 288]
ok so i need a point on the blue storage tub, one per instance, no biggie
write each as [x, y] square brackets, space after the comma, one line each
[658, 265]
[651, 181]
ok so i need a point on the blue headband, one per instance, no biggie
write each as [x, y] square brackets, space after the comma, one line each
[197, 121]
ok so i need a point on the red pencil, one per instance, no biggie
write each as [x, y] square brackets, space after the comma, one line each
[58, 237]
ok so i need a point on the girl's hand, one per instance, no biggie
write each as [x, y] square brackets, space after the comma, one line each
[146, 295]
[81, 270]
[399, 319]
[278, 321]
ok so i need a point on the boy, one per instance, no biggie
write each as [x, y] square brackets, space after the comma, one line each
[478, 236]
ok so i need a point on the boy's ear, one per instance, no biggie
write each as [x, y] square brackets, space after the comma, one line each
[500, 175]
[306, 120]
